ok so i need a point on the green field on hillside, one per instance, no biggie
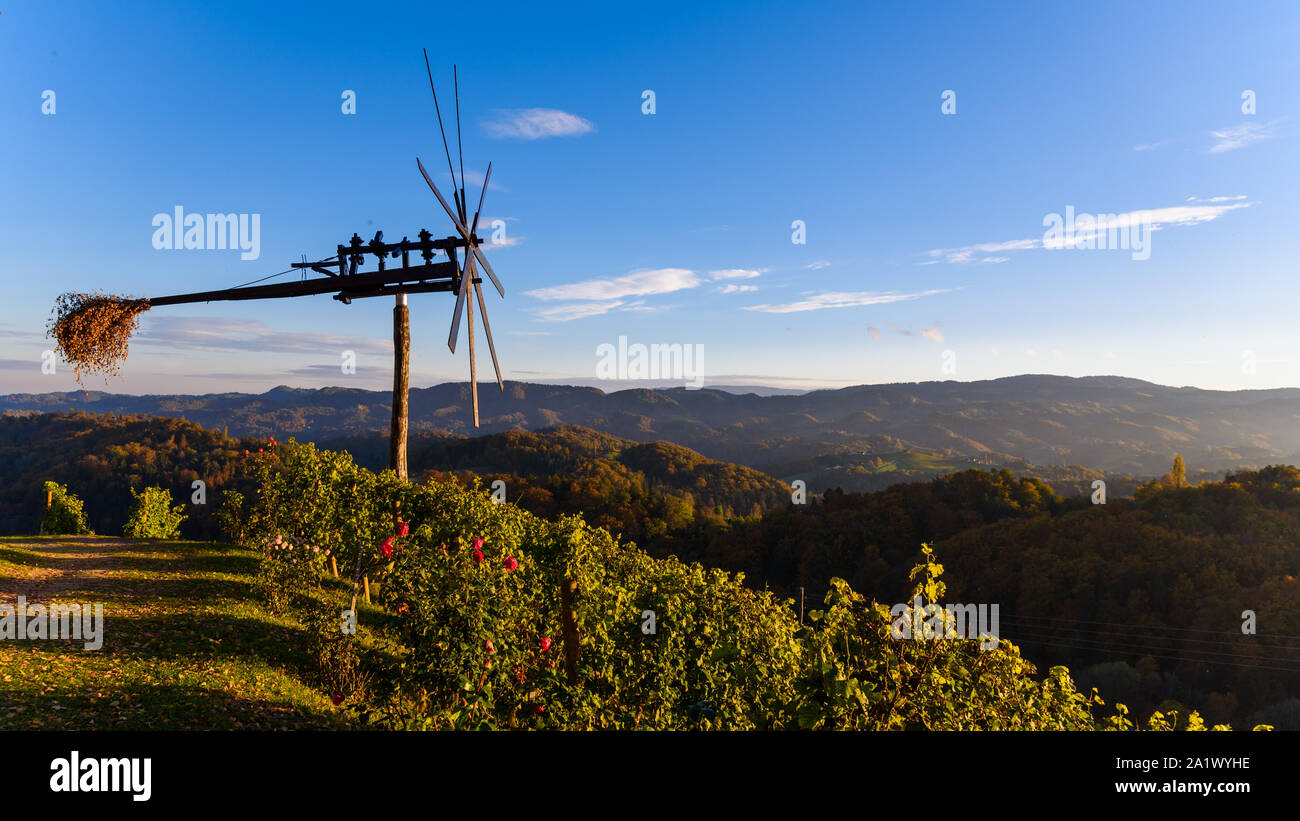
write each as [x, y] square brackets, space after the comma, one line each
[187, 642]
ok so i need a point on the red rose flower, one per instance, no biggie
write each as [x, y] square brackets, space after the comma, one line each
[478, 557]
[336, 698]
[402, 528]
[510, 563]
[546, 644]
[478, 544]
[540, 709]
[387, 548]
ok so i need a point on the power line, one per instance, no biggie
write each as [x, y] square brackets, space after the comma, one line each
[1150, 627]
[265, 278]
[1083, 644]
[1243, 641]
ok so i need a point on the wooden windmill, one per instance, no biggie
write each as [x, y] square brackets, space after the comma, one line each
[342, 276]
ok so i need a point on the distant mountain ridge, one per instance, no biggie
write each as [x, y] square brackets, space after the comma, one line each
[1107, 423]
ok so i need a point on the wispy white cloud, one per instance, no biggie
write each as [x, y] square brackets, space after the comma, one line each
[1240, 136]
[967, 253]
[842, 299]
[594, 297]
[734, 273]
[637, 283]
[818, 265]
[8, 331]
[1178, 215]
[1149, 146]
[535, 124]
[932, 334]
[228, 334]
[640, 307]
[577, 310]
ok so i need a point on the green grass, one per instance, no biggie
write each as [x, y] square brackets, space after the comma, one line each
[187, 642]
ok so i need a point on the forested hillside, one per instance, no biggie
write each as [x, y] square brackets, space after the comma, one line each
[649, 492]
[1143, 598]
[103, 456]
[644, 491]
[862, 437]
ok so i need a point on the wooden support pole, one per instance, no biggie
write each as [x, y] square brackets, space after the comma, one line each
[401, 386]
[473, 368]
[570, 624]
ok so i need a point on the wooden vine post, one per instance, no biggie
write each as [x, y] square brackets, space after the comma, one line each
[568, 589]
[401, 387]
[569, 559]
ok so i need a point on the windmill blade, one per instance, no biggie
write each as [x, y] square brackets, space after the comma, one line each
[460, 152]
[473, 366]
[441, 130]
[487, 331]
[483, 193]
[491, 274]
[486, 178]
[466, 275]
[460, 226]
[464, 232]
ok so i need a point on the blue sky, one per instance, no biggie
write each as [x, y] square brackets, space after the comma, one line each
[765, 113]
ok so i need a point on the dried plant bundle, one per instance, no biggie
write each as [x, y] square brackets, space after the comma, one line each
[92, 330]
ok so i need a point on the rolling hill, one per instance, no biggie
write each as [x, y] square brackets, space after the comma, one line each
[1107, 424]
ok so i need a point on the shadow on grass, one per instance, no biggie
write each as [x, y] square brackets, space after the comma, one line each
[117, 588]
[168, 707]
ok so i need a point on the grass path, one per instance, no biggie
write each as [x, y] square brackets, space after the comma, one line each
[187, 643]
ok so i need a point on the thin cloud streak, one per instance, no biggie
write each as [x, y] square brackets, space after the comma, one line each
[229, 334]
[536, 124]
[1240, 136]
[843, 299]
[1178, 215]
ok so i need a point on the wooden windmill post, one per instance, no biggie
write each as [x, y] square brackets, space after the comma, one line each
[343, 277]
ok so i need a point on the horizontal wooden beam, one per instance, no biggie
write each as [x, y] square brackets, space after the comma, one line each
[414, 277]
[345, 296]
